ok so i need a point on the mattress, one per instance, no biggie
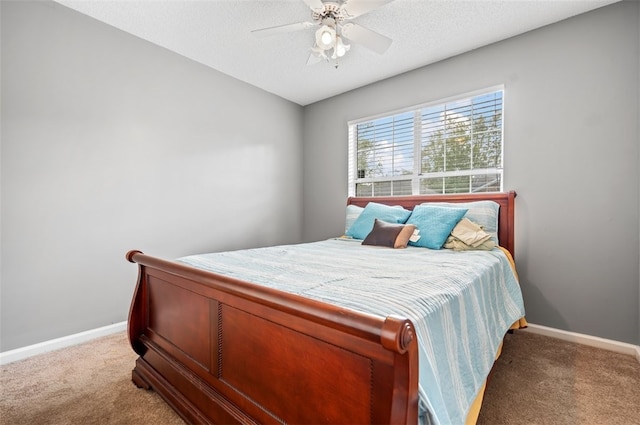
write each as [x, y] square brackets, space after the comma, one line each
[461, 303]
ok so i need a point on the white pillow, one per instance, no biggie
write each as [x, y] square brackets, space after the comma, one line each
[484, 213]
[353, 212]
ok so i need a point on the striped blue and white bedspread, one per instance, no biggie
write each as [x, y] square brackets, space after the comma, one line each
[461, 303]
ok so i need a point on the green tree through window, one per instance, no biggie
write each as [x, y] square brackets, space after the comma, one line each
[451, 147]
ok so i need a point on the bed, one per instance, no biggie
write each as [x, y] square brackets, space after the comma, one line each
[223, 341]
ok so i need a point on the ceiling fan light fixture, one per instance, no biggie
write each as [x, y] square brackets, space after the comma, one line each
[341, 49]
[319, 52]
[326, 37]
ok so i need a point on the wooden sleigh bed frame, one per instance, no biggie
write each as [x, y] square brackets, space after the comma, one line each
[220, 350]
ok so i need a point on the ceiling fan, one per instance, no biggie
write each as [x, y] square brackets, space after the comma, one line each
[332, 18]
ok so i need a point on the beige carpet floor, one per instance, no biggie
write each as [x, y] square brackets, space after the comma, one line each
[538, 380]
[88, 384]
[541, 381]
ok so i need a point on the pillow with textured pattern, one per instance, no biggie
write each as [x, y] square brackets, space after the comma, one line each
[435, 224]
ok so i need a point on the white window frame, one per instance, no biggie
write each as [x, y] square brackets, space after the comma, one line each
[416, 176]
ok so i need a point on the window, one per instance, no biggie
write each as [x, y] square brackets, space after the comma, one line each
[452, 146]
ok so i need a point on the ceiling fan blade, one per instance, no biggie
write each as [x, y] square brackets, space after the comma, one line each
[313, 59]
[369, 39]
[355, 8]
[281, 29]
[315, 4]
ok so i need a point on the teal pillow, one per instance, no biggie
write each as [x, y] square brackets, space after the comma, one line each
[364, 223]
[435, 224]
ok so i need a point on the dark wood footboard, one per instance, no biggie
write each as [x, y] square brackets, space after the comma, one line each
[220, 350]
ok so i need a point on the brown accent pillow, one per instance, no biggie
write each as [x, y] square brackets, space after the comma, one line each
[391, 235]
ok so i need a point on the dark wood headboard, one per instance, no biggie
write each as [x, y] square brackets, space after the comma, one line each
[506, 215]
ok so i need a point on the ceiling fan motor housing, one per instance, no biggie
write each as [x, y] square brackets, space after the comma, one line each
[332, 11]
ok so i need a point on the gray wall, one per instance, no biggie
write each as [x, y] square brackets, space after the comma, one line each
[110, 143]
[571, 153]
[638, 133]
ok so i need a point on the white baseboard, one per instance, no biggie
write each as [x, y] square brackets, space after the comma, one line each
[58, 343]
[593, 341]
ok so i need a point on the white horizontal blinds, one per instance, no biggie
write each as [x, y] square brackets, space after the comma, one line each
[385, 156]
[462, 146]
[450, 147]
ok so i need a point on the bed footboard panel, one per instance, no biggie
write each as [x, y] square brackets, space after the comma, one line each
[225, 351]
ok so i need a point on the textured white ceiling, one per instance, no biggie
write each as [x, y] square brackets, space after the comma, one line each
[217, 33]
